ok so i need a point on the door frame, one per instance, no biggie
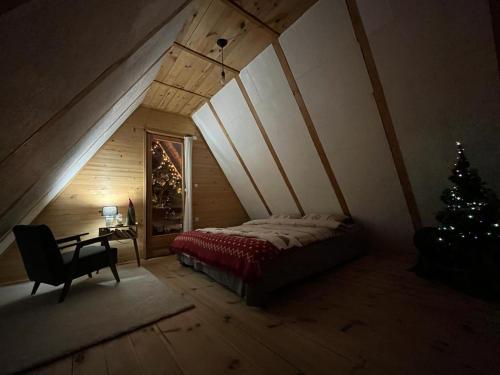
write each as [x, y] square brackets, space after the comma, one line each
[151, 250]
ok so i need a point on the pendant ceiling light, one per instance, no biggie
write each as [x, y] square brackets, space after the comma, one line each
[222, 43]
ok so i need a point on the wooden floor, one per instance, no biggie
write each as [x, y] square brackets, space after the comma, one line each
[369, 317]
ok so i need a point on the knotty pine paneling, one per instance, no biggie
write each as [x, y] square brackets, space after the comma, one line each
[116, 172]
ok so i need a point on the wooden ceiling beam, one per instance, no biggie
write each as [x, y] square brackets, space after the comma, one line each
[181, 89]
[250, 17]
[204, 57]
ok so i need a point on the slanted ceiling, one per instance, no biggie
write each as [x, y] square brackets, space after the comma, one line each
[298, 130]
[349, 110]
[69, 80]
[72, 78]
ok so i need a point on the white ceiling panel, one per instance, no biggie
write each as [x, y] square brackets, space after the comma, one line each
[273, 100]
[241, 127]
[228, 161]
[328, 65]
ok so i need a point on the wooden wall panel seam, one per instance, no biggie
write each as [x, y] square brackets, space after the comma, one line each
[86, 90]
[383, 109]
[310, 125]
[269, 144]
[245, 168]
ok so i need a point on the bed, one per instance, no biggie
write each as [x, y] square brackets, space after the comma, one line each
[262, 256]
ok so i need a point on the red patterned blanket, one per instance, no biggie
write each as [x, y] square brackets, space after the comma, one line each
[244, 256]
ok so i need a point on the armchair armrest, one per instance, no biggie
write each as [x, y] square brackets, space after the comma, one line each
[75, 237]
[104, 238]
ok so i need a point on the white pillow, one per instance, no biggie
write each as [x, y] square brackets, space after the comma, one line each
[285, 216]
[333, 217]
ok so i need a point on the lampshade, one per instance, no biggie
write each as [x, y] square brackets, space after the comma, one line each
[109, 211]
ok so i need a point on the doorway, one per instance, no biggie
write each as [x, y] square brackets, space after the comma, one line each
[164, 192]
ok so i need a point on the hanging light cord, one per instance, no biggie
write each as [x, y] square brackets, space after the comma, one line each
[223, 73]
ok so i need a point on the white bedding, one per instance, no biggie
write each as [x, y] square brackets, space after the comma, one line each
[283, 233]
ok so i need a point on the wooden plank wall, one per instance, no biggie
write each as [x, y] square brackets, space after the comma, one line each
[116, 173]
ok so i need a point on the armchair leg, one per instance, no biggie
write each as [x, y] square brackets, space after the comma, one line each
[65, 290]
[35, 288]
[112, 265]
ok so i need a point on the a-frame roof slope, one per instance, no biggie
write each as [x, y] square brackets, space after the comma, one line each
[70, 73]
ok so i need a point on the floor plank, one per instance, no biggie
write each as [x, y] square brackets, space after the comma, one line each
[190, 337]
[90, 361]
[61, 367]
[153, 353]
[260, 355]
[371, 316]
[120, 357]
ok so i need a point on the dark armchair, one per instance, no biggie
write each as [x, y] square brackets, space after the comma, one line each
[45, 263]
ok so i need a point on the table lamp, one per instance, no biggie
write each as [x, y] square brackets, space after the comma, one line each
[109, 213]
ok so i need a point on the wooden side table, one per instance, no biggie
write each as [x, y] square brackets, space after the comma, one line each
[123, 232]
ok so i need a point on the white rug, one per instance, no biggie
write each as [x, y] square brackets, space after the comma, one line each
[37, 329]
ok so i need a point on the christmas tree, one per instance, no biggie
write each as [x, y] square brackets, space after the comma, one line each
[470, 220]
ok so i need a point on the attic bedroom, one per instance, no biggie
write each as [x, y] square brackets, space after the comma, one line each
[249, 187]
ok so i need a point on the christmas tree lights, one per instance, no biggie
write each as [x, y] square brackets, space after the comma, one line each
[166, 180]
[471, 216]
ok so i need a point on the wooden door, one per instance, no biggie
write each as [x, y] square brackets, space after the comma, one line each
[164, 192]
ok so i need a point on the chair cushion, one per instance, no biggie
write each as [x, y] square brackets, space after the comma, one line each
[92, 258]
[85, 252]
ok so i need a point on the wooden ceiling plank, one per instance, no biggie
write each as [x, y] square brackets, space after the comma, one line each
[184, 90]
[168, 63]
[178, 68]
[220, 22]
[177, 102]
[193, 103]
[164, 94]
[249, 16]
[248, 46]
[208, 81]
[277, 14]
[152, 94]
[269, 144]
[202, 56]
[200, 8]
[167, 96]
[187, 72]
